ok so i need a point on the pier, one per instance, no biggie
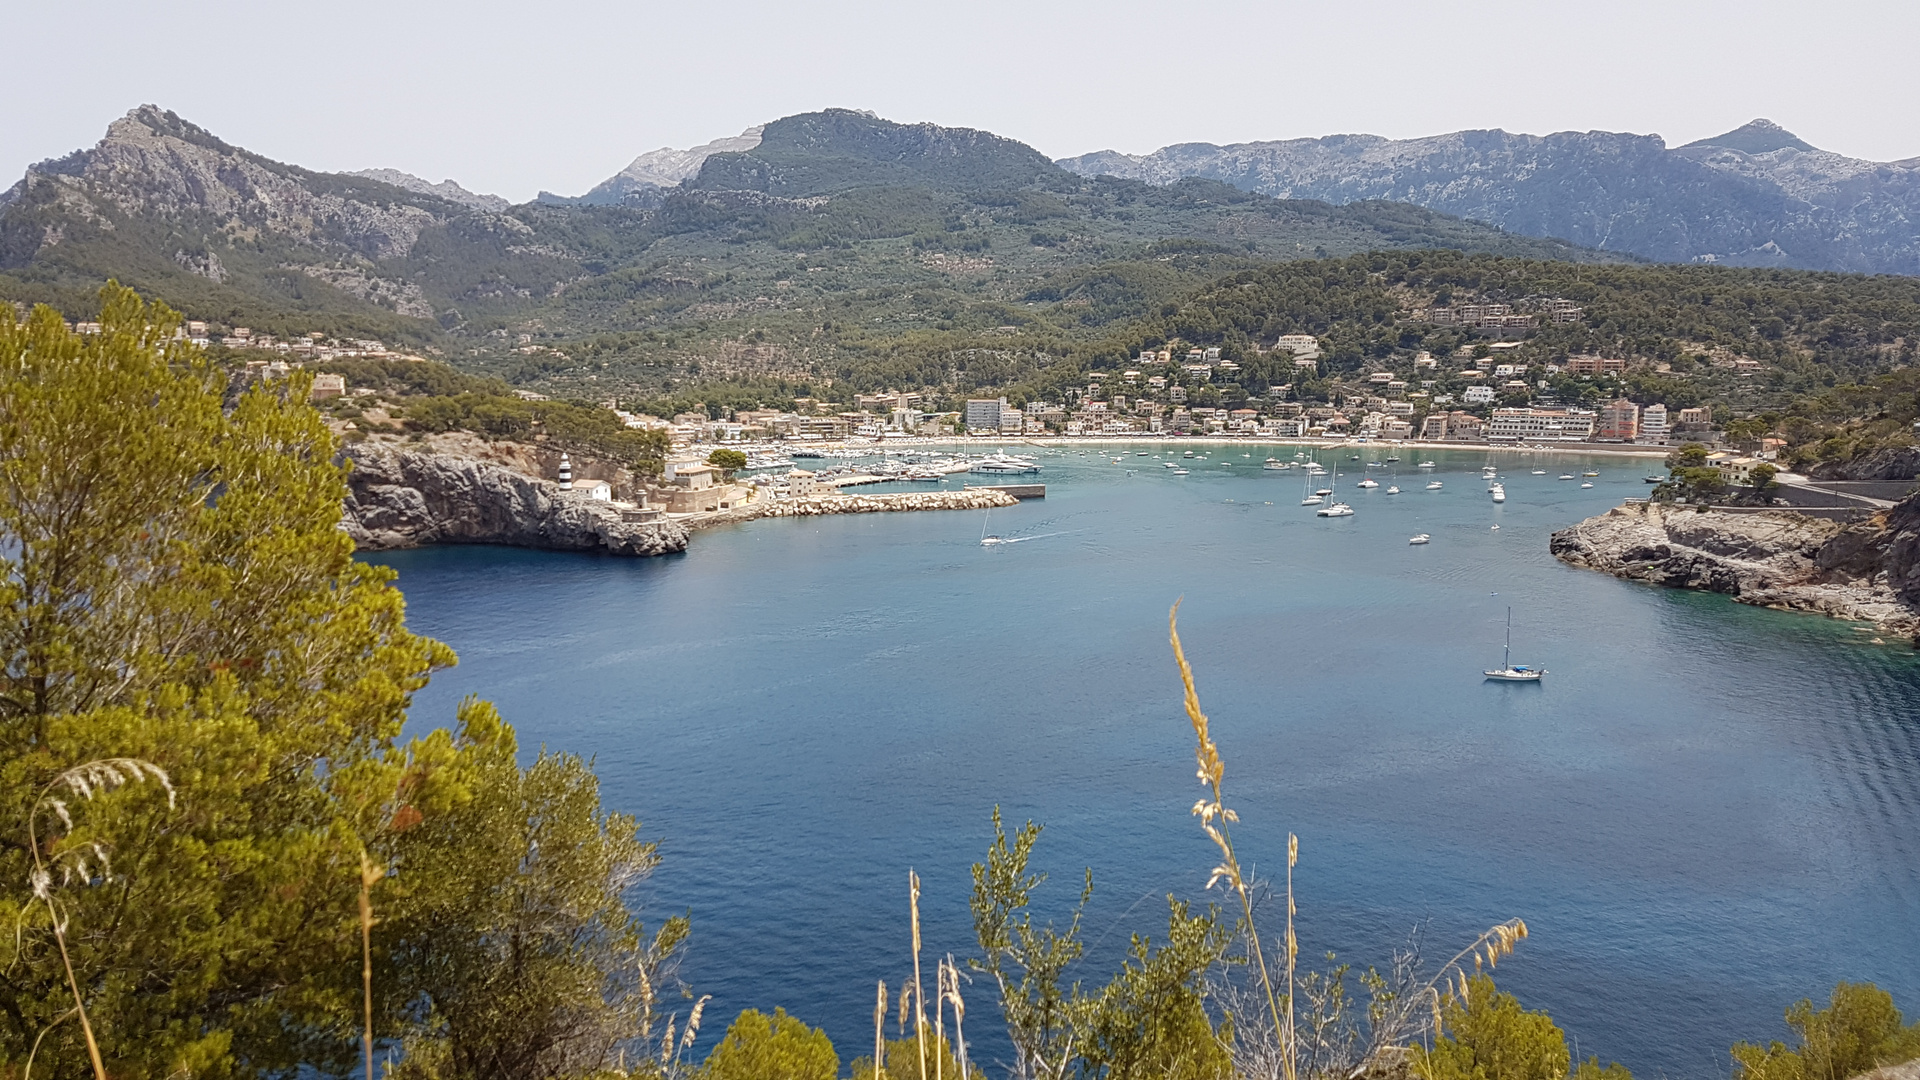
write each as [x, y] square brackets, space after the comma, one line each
[1018, 491]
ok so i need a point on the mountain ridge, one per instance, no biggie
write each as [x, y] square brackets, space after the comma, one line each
[1754, 196]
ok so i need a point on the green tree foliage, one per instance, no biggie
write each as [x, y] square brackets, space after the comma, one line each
[903, 1060]
[584, 428]
[1858, 1031]
[1026, 962]
[778, 1047]
[1487, 1035]
[176, 589]
[1150, 1022]
[503, 924]
[727, 460]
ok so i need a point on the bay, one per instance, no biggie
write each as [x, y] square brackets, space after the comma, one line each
[1706, 812]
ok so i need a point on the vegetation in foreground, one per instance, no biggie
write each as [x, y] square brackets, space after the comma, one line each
[220, 860]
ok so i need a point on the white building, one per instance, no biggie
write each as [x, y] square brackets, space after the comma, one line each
[1653, 423]
[1540, 425]
[1299, 344]
[1478, 395]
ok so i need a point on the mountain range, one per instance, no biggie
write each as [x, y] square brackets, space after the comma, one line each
[1755, 196]
[807, 221]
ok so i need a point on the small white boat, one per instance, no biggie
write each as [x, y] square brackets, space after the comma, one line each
[1369, 482]
[1539, 472]
[1590, 473]
[1169, 465]
[1420, 538]
[1587, 484]
[1311, 500]
[1323, 491]
[1182, 472]
[1433, 485]
[1187, 454]
[1338, 509]
[1568, 476]
[1393, 489]
[1499, 493]
[1508, 671]
[1496, 528]
[1428, 465]
[1277, 466]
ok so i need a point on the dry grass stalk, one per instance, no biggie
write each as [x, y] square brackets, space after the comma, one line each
[952, 995]
[880, 1031]
[919, 998]
[1214, 817]
[81, 782]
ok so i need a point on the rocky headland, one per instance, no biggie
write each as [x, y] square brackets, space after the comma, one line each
[1866, 572]
[400, 497]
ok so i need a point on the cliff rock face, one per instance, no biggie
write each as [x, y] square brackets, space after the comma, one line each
[1868, 572]
[1755, 196]
[400, 498]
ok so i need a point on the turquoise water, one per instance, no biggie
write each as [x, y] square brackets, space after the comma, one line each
[1706, 812]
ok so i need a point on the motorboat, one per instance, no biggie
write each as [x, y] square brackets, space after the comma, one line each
[1654, 479]
[1369, 482]
[1187, 454]
[1588, 484]
[1508, 671]
[1499, 493]
[1338, 509]
[1277, 466]
[1182, 472]
[1568, 476]
[1419, 538]
[1428, 465]
[1590, 472]
[1003, 463]
[1393, 489]
[1433, 485]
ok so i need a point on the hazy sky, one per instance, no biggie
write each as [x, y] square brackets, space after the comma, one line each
[512, 98]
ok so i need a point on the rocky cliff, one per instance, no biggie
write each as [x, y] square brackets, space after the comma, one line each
[1868, 572]
[1755, 196]
[400, 497]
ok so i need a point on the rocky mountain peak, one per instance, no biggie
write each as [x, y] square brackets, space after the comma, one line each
[445, 189]
[1759, 136]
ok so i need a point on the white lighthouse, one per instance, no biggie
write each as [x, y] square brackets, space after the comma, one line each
[566, 473]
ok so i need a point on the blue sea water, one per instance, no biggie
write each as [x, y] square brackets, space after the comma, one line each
[1706, 812]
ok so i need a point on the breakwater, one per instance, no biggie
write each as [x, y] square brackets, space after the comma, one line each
[816, 505]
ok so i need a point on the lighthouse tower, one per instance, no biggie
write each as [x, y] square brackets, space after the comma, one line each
[566, 473]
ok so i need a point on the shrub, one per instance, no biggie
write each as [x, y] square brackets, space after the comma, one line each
[778, 1047]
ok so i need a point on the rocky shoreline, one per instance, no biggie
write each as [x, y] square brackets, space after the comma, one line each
[1869, 572]
[402, 498]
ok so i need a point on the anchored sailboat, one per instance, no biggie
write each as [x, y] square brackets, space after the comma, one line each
[1508, 671]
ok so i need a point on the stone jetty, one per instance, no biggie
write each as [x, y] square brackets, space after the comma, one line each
[813, 506]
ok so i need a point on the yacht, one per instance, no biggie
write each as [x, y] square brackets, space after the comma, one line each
[1393, 489]
[1654, 479]
[1324, 492]
[1419, 538]
[1539, 472]
[1169, 465]
[1187, 454]
[1338, 509]
[1433, 485]
[1588, 484]
[1499, 493]
[1369, 482]
[1277, 466]
[1312, 500]
[1003, 463]
[1568, 476]
[1590, 472]
[1508, 671]
[1428, 465]
[1182, 472]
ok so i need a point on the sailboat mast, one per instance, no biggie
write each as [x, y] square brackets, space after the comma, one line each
[1507, 656]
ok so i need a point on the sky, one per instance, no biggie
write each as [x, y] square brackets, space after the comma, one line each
[516, 98]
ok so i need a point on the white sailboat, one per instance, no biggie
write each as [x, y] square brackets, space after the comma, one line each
[1508, 671]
